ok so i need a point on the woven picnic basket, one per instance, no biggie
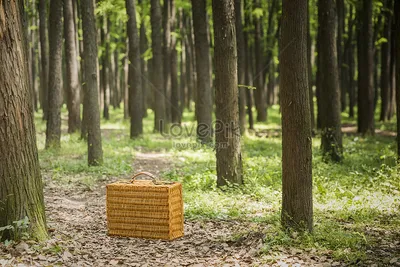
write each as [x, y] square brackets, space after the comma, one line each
[145, 208]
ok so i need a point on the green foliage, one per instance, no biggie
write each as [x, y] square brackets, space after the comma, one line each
[18, 230]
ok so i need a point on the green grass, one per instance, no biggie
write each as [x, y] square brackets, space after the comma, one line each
[351, 198]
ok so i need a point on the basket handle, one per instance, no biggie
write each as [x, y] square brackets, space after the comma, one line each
[153, 178]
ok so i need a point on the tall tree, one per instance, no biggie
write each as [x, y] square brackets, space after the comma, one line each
[157, 65]
[397, 44]
[385, 61]
[175, 106]
[105, 32]
[248, 62]
[44, 56]
[53, 129]
[227, 132]
[260, 100]
[203, 99]
[365, 69]
[340, 11]
[241, 66]
[91, 111]
[297, 207]
[73, 90]
[21, 188]
[167, 56]
[135, 72]
[331, 136]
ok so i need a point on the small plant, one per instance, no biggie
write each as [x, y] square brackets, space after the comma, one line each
[18, 229]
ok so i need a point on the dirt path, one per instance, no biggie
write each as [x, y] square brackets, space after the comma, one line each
[77, 221]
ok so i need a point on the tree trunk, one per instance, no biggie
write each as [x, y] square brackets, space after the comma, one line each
[365, 70]
[351, 61]
[167, 57]
[157, 66]
[143, 64]
[44, 55]
[309, 69]
[297, 207]
[259, 75]
[73, 90]
[182, 82]
[227, 132]
[340, 7]
[248, 64]
[21, 188]
[106, 68]
[331, 138]
[204, 105]
[241, 66]
[397, 72]
[53, 129]
[175, 108]
[91, 109]
[135, 75]
[385, 63]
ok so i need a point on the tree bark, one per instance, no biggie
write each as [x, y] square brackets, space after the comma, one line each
[228, 150]
[340, 8]
[44, 55]
[365, 70]
[331, 138]
[297, 207]
[397, 71]
[72, 86]
[385, 63]
[248, 64]
[204, 105]
[21, 188]
[167, 56]
[351, 63]
[91, 109]
[53, 129]
[175, 106]
[259, 75]
[241, 66]
[143, 63]
[106, 68]
[135, 72]
[157, 66]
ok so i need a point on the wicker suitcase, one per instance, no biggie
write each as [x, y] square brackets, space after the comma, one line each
[145, 208]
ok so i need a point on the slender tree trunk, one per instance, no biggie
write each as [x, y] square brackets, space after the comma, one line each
[44, 55]
[106, 69]
[157, 67]
[340, 8]
[259, 75]
[175, 108]
[53, 129]
[135, 75]
[396, 37]
[351, 60]
[203, 100]
[385, 63]
[309, 68]
[365, 70]
[167, 56]
[21, 188]
[229, 157]
[297, 207]
[91, 109]
[143, 63]
[241, 66]
[190, 74]
[73, 90]
[248, 71]
[182, 84]
[331, 138]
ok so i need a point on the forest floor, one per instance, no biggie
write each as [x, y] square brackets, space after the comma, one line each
[356, 204]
